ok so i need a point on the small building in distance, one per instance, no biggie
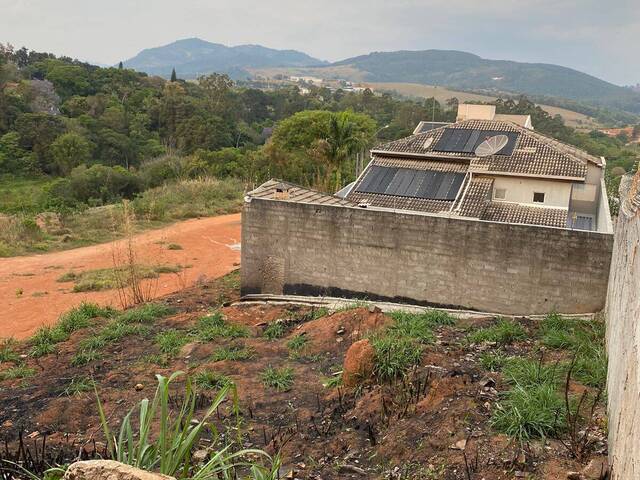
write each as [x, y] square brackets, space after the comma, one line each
[484, 213]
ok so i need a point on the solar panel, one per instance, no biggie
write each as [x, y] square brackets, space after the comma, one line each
[465, 140]
[406, 182]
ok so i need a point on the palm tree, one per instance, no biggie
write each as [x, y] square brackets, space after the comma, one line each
[343, 141]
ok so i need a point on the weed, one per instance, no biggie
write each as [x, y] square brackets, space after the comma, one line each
[45, 339]
[214, 326]
[174, 246]
[503, 332]
[78, 385]
[147, 313]
[333, 381]
[319, 312]
[353, 305]
[297, 343]
[67, 277]
[231, 353]
[84, 357]
[493, 361]
[7, 353]
[590, 366]
[429, 317]
[110, 278]
[118, 330]
[156, 359]
[526, 372]
[171, 341]
[394, 355]
[166, 443]
[530, 412]
[19, 292]
[18, 371]
[274, 330]
[210, 380]
[280, 379]
[412, 325]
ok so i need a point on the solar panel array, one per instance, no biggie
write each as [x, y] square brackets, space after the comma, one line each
[466, 140]
[406, 182]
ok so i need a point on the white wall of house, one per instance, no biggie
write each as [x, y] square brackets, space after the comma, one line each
[521, 190]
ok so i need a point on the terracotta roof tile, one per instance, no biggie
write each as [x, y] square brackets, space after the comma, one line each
[534, 154]
[293, 193]
[530, 215]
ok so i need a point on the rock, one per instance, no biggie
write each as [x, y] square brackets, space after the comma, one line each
[352, 469]
[459, 445]
[574, 476]
[597, 468]
[109, 470]
[139, 387]
[358, 363]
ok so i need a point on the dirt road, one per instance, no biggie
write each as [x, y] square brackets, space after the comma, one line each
[31, 295]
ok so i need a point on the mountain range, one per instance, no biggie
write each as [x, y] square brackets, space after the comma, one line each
[447, 68]
[193, 57]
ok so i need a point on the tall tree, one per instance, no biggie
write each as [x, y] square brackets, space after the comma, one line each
[174, 77]
[120, 66]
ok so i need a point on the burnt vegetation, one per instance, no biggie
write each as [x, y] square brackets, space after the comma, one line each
[446, 398]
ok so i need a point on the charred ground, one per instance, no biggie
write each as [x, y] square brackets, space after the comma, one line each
[445, 399]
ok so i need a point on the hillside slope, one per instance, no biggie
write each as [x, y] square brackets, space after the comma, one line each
[461, 70]
[192, 57]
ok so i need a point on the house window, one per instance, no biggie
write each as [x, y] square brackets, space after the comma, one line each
[538, 197]
[500, 193]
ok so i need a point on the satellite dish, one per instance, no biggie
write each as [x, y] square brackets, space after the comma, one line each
[427, 143]
[492, 145]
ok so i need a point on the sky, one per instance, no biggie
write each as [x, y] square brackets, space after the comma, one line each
[599, 37]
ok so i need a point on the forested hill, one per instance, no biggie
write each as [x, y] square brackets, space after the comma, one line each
[465, 71]
[194, 57]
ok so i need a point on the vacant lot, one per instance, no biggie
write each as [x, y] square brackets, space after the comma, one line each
[435, 397]
[34, 294]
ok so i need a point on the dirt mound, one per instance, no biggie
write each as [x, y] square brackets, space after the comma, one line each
[338, 328]
[358, 363]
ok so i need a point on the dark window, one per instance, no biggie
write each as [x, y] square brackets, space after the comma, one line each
[538, 197]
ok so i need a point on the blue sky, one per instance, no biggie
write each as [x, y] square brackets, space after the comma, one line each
[597, 37]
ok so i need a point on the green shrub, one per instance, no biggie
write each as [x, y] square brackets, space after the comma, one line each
[412, 325]
[297, 343]
[503, 332]
[280, 379]
[493, 361]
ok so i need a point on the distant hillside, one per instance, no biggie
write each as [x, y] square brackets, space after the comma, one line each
[465, 71]
[193, 57]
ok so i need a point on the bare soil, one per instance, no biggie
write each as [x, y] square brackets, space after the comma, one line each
[32, 296]
[433, 424]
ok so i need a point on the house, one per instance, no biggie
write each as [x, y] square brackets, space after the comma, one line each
[489, 167]
[484, 214]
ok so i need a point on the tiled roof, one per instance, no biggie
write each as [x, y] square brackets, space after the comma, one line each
[477, 203]
[530, 215]
[476, 197]
[401, 203]
[285, 191]
[534, 154]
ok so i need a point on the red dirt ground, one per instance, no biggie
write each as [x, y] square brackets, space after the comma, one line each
[210, 249]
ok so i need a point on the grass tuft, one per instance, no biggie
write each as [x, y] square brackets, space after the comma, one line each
[503, 332]
[275, 330]
[7, 353]
[147, 313]
[210, 380]
[394, 355]
[231, 353]
[18, 371]
[171, 341]
[213, 326]
[85, 357]
[78, 385]
[280, 379]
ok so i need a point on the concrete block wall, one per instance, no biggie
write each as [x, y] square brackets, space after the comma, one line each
[306, 249]
[623, 340]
